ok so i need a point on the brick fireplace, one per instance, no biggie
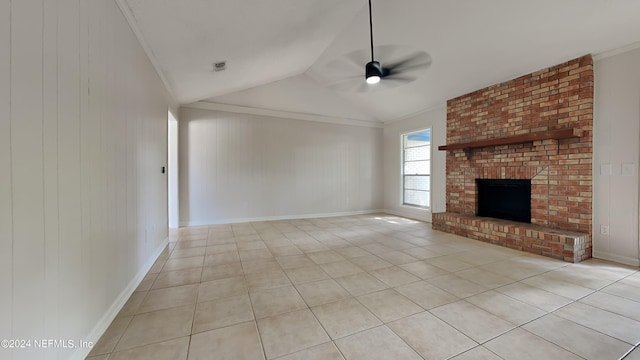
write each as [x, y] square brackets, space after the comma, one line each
[536, 127]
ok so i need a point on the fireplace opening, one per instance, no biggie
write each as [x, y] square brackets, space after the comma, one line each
[504, 199]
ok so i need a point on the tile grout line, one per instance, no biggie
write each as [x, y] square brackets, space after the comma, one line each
[634, 347]
[552, 313]
[255, 318]
[195, 308]
[314, 314]
[572, 301]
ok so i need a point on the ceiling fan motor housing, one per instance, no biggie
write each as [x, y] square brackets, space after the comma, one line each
[373, 68]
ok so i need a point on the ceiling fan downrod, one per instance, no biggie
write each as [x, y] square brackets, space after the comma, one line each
[373, 70]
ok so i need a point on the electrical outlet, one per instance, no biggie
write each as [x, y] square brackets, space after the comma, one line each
[628, 169]
[604, 229]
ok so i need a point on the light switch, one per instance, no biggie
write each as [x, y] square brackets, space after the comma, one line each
[605, 169]
[628, 169]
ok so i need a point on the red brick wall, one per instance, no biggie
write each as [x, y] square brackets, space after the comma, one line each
[554, 98]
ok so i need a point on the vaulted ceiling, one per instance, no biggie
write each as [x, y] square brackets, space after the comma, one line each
[287, 55]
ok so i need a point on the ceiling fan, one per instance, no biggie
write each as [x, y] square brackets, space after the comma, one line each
[402, 66]
[373, 71]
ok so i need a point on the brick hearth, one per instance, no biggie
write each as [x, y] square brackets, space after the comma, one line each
[556, 243]
[560, 97]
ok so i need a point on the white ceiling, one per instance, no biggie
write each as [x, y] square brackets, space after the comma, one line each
[281, 54]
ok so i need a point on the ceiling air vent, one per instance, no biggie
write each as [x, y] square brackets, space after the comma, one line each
[220, 66]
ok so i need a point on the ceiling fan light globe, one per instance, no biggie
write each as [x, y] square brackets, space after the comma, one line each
[372, 80]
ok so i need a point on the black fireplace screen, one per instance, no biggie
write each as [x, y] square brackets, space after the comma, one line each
[505, 199]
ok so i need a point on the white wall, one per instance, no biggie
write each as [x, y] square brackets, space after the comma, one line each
[172, 172]
[616, 142]
[83, 120]
[238, 167]
[436, 119]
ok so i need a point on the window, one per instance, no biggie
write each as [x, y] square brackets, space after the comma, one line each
[416, 168]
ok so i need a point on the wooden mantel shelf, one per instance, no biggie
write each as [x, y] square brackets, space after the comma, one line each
[517, 139]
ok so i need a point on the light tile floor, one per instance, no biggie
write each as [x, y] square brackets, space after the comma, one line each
[369, 287]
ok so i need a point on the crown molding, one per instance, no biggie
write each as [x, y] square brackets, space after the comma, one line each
[618, 51]
[205, 105]
[131, 20]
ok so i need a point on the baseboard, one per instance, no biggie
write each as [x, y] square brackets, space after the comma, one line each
[411, 214]
[276, 218]
[114, 309]
[616, 258]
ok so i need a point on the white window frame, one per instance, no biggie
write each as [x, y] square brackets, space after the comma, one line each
[402, 166]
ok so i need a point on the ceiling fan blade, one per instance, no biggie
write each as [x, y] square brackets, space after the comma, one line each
[399, 78]
[386, 51]
[345, 67]
[357, 83]
[341, 68]
[391, 83]
[414, 62]
[358, 58]
[408, 68]
[364, 87]
[400, 66]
